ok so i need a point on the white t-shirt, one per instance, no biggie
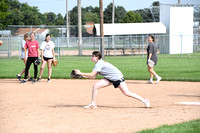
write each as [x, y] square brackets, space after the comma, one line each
[47, 49]
[108, 71]
[23, 52]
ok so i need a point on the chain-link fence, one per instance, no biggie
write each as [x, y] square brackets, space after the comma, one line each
[119, 45]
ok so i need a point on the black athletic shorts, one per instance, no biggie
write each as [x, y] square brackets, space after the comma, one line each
[46, 59]
[116, 83]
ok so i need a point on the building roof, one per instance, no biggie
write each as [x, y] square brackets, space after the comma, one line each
[131, 28]
[22, 31]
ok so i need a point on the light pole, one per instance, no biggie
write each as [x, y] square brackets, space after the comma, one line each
[67, 24]
[79, 29]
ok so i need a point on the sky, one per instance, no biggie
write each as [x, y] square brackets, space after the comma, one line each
[59, 6]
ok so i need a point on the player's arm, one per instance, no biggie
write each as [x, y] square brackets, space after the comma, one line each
[38, 50]
[42, 54]
[25, 50]
[91, 75]
[53, 53]
[150, 54]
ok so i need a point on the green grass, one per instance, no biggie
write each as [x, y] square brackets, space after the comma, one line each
[169, 67]
[185, 127]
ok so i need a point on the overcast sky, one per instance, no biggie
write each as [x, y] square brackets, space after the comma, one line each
[59, 6]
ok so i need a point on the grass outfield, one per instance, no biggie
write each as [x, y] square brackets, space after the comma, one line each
[169, 67]
[185, 127]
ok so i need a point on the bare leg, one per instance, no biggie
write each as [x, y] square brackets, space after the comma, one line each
[42, 68]
[123, 87]
[152, 72]
[100, 84]
[49, 68]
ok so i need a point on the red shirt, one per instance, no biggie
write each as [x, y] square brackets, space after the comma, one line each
[32, 48]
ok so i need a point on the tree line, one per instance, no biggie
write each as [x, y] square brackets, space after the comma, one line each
[12, 12]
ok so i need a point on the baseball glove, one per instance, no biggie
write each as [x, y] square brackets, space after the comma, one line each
[150, 63]
[37, 62]
[55, 62]
[74, 75]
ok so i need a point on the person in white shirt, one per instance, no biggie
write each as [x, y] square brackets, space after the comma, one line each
[26, 38]
[47, 54]
[112, 75]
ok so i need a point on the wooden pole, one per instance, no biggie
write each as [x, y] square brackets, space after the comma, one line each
[101, 28]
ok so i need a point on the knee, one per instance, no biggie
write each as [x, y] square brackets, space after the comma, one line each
[95, 86]
[127, 93]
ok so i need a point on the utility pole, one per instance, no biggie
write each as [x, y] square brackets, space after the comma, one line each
[101, 28]
[113, 21]
[179, 1]
[79, 29]
[67, 24]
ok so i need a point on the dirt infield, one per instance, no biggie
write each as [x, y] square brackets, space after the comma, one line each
[57, 107]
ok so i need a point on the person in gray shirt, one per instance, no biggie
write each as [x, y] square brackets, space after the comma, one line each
[112, 75]
[152, 56]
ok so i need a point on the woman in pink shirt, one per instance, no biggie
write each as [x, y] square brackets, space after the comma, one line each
[33, 54]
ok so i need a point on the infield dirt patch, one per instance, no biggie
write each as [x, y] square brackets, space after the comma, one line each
[57, 107]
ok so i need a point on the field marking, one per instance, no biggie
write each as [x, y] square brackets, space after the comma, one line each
[189, 103]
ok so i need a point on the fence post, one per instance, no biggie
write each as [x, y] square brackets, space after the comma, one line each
[143, 46]
[181, 35]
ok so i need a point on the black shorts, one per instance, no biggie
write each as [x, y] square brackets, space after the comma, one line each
[116, 83]
[46, 59]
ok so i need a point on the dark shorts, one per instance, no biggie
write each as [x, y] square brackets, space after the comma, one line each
[116, 83]
[46, 59]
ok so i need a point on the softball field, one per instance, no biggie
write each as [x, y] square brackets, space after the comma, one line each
[57, 107]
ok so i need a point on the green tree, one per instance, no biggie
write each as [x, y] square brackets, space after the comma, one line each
[74, 16]
[59, 20]
[108, 13]
[91, 17]
[4, 12]
[50, 18]
[119, 14]
[132, 17]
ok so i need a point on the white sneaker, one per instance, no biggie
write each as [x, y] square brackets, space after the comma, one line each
[92, 106]
[146, 103]
[158, 80]
[149, 82]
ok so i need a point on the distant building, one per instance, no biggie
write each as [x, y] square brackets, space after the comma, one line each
[38, 31]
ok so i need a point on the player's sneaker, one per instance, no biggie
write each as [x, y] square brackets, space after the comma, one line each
[149, 82]
[39, 79]
[158, 80]
[34, 81]
[92, 106]
[19, 77]
[23, 81]
[146, 103]
[48, 80]
[30, 79]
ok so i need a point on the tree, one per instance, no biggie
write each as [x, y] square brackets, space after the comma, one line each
[50, 18]
[59, 20]
[4, 12]
[91, 17]
[119, 14]
[132, 17]
[108, 14]
[74, 16]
